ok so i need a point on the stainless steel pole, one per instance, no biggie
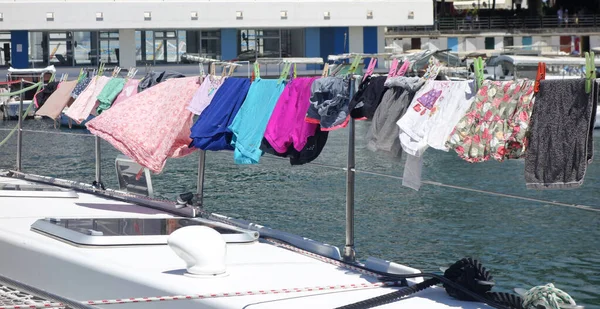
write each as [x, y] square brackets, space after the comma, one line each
[201, 165]
[349, 253]
[20, 129]
[98, 159]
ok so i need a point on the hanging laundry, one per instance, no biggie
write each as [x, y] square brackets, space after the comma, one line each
[86, 102]
[383, 133]
[433, 113]
[249, 125]
[330, 103]
[154, 78]
[151, 126]
[211, 132]
[561, 134]
[58, 100]
[129, 89]
[368, 97]
[109, 93]
[287, 127]
[80, 87]
[43, 95]
[311, 150]
[205, 94]
[430, 118]
[496, 123]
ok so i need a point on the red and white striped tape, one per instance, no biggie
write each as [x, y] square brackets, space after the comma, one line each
[353, 286]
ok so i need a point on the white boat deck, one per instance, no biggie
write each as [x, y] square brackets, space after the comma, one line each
[95, 273]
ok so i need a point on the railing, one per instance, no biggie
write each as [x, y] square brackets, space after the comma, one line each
[505, 23]
[517, 22]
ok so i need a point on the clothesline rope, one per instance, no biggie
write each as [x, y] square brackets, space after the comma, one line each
[439, 184]
[51, 132]
[428, 182]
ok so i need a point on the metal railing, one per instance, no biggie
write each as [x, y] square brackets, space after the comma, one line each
[517, 22]
[550, 22]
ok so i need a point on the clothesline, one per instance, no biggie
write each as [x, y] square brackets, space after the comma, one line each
[291, 117]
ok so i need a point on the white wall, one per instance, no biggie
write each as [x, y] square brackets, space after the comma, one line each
[594, 41]
[499, 43]
[470, 44]
[355, 39]
[125, 14]
[127, 48]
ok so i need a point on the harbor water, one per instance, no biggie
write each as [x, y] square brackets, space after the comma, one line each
[523, 242]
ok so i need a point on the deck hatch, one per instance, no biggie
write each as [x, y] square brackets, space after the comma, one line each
[35, 190]
[130, 231]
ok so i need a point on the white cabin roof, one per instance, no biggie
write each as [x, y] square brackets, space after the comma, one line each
[93, 273]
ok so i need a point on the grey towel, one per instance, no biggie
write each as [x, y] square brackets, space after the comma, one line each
[383, 133]
[560, 145]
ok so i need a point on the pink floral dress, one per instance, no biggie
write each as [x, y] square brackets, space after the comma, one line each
[496, 124]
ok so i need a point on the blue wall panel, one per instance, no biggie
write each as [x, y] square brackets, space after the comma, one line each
[229, 44]
[19, 48]
[312, 45]
[369, 42]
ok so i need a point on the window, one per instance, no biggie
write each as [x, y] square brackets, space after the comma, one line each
[210, 44]
[490, 43]
[509, 41]
[415, 43]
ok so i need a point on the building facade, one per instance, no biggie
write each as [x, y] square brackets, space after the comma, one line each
[130, 33]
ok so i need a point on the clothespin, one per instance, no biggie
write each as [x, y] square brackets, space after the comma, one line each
[295, 72]
[393, 68]
[370, 68]
[200, 72]
[404, 68]
[325, 70]
[478, 66]
[231, 69]
[256, 69]
[354, 65]
[541, 75]
[223, 71]
[212, 69]
[133, 71]
[284, 73]
[590, 71]
[80, 75]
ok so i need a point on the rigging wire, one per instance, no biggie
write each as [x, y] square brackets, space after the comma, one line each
[428, 182]
[51, 132]
[439, 184]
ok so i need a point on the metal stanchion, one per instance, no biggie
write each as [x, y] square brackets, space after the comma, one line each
[20, 130]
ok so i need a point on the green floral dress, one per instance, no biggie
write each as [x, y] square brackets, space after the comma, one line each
[496, 125]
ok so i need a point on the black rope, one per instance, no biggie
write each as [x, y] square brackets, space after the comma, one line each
[466, 280]
[511, 301]
[391, 297]
[471, 274]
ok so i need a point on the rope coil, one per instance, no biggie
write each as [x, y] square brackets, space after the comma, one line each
[547, 296]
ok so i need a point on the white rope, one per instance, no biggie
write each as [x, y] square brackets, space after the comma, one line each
[547, 296]
[353, 286]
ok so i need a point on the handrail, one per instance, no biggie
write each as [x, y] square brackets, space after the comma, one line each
[506, 22]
